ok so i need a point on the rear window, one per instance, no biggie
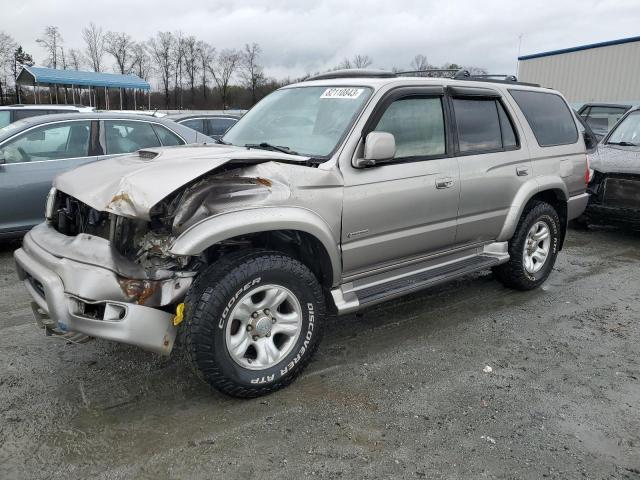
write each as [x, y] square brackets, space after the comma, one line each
[549, 117]
[26, 113]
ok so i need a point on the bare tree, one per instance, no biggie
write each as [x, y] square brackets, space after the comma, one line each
[191, 64]
[206, 55]
[119, 45]
[94, 40]
[177, 55]
[51, 41]
[361, 61]
[419, 63]
[222, 69]
[358, 61]
[140, 61]
[75, 59]
[7, 49]
[160, 48]
[250, 70]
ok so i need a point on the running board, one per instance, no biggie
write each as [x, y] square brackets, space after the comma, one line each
[351, 297]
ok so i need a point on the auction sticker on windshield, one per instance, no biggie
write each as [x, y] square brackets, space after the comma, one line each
[351, 93]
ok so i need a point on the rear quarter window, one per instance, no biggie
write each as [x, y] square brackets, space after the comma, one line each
[549, 117]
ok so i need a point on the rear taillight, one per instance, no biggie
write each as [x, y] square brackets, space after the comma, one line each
[587, 172]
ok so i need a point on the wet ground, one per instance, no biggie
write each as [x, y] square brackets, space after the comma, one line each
[397, 392]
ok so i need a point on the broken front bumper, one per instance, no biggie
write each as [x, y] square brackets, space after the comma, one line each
[83, 290]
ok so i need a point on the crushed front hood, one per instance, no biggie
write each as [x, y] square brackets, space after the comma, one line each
[130, 185]
[616, 159]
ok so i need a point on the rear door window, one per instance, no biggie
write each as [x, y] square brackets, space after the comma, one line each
[549, 117]
[126, 136]
[196, 123]
[49, 142]
[167, 137]
[478, 124]
[219, 126]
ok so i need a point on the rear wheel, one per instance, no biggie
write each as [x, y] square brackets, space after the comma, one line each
[533, 248]
[253, 321]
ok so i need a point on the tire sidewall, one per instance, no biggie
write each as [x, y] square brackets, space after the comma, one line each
[311, 307]
[554, 228]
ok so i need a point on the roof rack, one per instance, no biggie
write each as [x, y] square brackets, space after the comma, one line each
[452, 73]
[462, 74]
[354, 73]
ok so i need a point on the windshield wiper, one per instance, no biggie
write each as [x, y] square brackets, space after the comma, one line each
[623, 144]
[268, 146]
[222, 142]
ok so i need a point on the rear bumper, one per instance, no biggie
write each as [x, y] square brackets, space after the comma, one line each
[576, 205]
[91, 299]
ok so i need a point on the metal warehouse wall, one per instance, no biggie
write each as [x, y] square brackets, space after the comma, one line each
[601, 74]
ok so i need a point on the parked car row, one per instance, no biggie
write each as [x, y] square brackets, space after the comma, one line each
[39, 142]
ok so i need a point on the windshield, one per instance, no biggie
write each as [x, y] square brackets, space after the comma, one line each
[628, 131]
[309, 121]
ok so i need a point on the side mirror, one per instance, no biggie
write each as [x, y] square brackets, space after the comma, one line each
[2, 161]
[378, 147]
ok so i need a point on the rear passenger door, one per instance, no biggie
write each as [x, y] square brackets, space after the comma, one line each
[493, 163]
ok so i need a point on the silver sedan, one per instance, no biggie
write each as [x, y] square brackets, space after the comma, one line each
[33, 151]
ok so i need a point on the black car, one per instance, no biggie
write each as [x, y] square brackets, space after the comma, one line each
[212, 125]
[615, 182]
[601, 117]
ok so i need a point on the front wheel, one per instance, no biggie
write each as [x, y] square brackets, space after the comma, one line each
[252, 322]
[533, 248]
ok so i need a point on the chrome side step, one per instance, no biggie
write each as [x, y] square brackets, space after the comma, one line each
[370, 291]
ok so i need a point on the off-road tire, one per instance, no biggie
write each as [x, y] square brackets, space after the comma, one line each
[205, 322]
[513, 273]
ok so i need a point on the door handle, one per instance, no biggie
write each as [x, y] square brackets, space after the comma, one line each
[445, 182]
[522, 171]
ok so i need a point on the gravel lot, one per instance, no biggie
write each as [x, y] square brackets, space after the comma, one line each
[395, 392]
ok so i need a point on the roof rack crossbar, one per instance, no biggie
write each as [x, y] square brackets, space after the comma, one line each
[452, 73]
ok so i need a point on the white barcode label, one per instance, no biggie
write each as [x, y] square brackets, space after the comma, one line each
[351, 93]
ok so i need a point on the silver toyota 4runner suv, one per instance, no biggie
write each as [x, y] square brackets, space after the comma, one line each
[329, 196]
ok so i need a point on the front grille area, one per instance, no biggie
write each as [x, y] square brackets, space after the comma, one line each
[622, 192]
[71, 217]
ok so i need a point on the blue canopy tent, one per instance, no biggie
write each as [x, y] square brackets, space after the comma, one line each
[75, 79]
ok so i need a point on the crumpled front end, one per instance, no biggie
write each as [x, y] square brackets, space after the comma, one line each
[83, 284]
[110, 275]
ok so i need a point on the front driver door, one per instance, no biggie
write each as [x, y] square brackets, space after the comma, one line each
[31, 160]
[406, 208]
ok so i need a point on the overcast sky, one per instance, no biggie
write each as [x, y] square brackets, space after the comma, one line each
[299, 36]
